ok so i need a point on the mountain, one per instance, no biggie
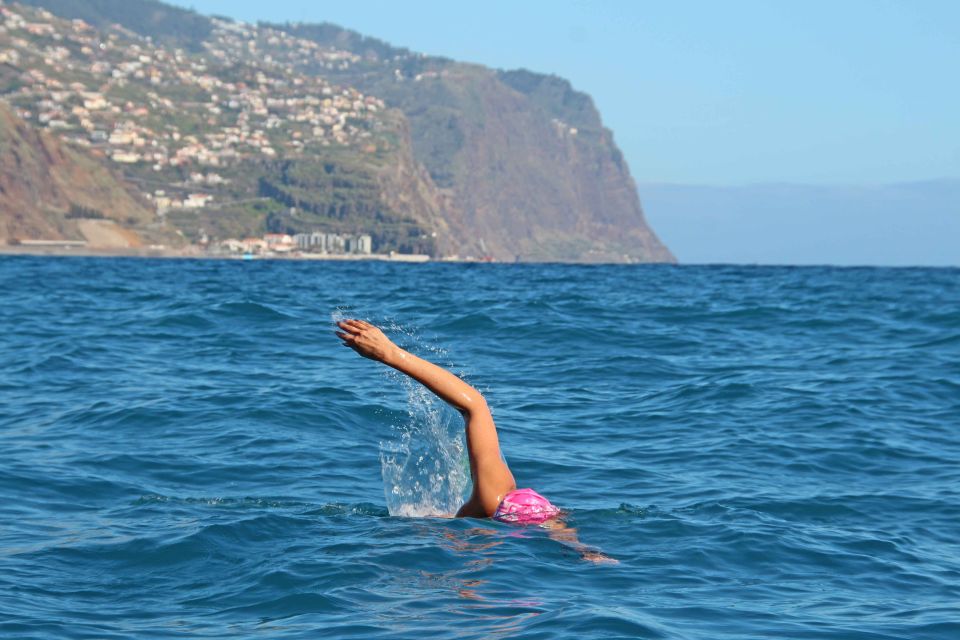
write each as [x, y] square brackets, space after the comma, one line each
[525, 158]
[301, 127]
[49, 190]
[914, 223]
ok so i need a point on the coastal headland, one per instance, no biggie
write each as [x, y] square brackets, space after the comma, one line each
[130, 124]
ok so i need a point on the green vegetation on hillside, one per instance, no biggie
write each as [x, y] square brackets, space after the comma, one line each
[555, 96]
[338, 194]
[336, 36]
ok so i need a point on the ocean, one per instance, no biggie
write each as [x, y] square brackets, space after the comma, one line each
[767, 452]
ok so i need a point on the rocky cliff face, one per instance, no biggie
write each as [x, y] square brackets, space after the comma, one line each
[408, 190]
[48, 188]
[527, 167]
[544, 185]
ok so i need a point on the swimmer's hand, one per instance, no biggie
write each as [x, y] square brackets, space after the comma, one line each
[365, 339]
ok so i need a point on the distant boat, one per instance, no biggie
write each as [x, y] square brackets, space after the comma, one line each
[248, 256]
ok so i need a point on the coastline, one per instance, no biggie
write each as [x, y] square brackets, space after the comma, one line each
[61, 251]
[193, 252]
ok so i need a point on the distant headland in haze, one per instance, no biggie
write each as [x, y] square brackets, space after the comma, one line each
[131, 124]
[899, 224]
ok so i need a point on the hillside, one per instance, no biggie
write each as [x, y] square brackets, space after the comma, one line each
[304, 127]
[229, 144]
[51, 191]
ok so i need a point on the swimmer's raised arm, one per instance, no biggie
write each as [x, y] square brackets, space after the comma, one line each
[370, 342]
[491, 477]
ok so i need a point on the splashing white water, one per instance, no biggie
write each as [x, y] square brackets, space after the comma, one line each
[424, 464]
[424, 467]
[339, 313]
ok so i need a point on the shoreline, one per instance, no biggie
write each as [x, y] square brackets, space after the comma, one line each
[173, 254]
[194, 253]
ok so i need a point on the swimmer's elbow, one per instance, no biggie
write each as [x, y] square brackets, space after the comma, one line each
[473, 403]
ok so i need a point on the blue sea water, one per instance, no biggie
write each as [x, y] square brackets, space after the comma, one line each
[187, 451]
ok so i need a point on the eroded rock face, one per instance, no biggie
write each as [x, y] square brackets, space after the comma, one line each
[544, 186]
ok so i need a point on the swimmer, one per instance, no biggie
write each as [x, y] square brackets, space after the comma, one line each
[495, 494]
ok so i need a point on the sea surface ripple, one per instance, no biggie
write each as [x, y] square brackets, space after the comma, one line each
[187, 451]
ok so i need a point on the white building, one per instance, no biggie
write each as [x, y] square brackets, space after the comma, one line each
[320, 242]
[364, 244]
[334, 243]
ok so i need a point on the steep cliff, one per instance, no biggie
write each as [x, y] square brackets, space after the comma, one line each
[530, 171]
[408, 189]
[48, 190]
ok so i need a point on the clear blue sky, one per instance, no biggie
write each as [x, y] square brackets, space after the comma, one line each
[737, 92]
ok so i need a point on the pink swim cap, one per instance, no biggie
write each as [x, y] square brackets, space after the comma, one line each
[525, 506]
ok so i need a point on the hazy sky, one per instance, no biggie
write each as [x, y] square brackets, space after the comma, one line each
[850, 91]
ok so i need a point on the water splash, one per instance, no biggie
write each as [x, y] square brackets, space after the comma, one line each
[341, 312]
[424, 464]
[424, 467]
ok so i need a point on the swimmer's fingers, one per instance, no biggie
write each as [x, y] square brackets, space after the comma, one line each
[346, 325]
[365, 339]
[353, 326]
[347, 338]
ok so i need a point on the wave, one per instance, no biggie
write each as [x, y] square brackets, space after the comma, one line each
[251, 312]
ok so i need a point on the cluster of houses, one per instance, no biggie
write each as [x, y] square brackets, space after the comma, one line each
[164, 202]
[316, 242]
[141, 104]
[272, 47]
